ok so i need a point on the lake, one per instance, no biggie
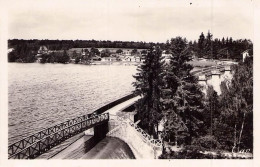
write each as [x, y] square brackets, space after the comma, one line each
[42, 95]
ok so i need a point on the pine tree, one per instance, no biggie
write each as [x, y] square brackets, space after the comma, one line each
[182, 95]
[148, 85]
[242, 90]
[201, 45]
[208, 47]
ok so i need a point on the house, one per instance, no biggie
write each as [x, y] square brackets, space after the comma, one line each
[129, 58]
[78, 51]
[245, 54]
[166, 57]
[121, 58]
[38, 59]
[43, 50]
[10, 50]
[137, 58]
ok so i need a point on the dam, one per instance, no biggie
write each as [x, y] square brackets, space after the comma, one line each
[85, 137]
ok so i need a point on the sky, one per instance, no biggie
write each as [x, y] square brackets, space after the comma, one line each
[129, 20]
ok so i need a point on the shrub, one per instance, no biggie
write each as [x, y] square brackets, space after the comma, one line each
[207, 142]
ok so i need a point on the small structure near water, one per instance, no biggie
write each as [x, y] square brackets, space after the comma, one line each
[245, 54]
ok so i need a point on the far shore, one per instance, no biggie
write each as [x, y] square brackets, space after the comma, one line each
[195, 63]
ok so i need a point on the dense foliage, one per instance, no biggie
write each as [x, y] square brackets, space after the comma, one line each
[67, 44]
[23, 53]
[182, 96]
[228, 48]
[55, 57]
[239, 110]
[205, 46]
[229, 117]
[210, 122]
[196, 152]
[170, 94]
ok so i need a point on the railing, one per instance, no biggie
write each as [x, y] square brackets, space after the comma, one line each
[116, 122]
[144, 135]
[42, 141]
[152, 142]
[207, 70]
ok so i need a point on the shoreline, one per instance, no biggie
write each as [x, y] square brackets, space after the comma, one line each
[125, 63]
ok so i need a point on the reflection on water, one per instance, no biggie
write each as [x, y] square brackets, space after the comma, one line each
[42, 95]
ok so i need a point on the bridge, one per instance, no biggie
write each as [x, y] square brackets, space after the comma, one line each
[38, 143]
[107, 121]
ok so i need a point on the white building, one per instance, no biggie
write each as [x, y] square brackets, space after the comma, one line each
[43, 50]
[166, 57]
[245, 54]
[10, 50]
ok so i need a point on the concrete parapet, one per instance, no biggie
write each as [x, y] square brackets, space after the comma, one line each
[142, 146]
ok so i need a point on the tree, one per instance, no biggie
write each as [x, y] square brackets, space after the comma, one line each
[105, 53]
[208, 47]
[119, 51]
[242, 90]
[211, 108]
[77, 60]
[148, 85]
[62, 57]
[12, 56]
[134, 51]
[44, 58]
[236, 103]
[94, 51]
[74, 54]
[183, 96]
[144, 52]
[201, 43]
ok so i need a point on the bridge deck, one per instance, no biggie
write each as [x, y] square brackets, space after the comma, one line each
[77, 146]
[122, 106]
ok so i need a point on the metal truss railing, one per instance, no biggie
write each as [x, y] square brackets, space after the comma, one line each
[38, 143]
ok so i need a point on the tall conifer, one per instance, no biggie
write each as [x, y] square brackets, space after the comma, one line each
[148, 85]
[183, 97]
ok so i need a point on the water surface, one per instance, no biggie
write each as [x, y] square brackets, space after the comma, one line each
[42, 95]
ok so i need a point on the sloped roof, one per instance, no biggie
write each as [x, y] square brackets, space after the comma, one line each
[245, 51]
[43, 48]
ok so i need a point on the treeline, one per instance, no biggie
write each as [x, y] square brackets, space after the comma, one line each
[172, 97]
[225, 48]
[204, 47]
[68, 44]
